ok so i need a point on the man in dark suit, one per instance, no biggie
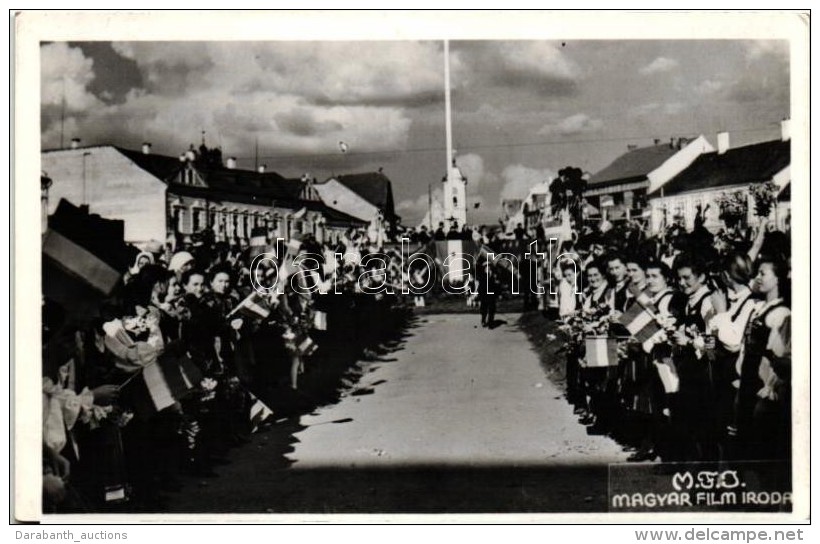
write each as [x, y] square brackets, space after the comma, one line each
[487, 292]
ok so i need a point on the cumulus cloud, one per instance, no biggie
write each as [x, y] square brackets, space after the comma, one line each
[293, 97]
[765, 76]
[709, 87]
[519, 179]
[579, 123]
[349, 73]
[66, 74]
[760, 48]
[659, 65]
[539, 66]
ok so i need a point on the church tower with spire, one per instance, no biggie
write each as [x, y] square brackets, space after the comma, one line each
[455, 195]
[455, 184]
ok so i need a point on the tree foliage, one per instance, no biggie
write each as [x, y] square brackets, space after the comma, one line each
[567, 192]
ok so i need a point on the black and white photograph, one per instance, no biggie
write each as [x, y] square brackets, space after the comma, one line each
[374, 273]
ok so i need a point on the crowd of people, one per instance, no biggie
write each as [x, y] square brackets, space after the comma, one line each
[679, 344]
[225, 334]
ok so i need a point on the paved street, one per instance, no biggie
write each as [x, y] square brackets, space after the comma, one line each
[461, 419]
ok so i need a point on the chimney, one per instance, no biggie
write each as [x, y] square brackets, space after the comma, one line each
[631, 147]
[231, 163]
[75, 143]
[146, 148]
[786, 130]
[723, 142]
[657, 141]
[262, 168]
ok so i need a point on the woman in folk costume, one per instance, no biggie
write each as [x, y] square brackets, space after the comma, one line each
[232, 399]
[635, 368]
[200, 329]
[695, 406]
[734, 304]
[657, 381]
[135, 341]
[764, 395]
[606, 403]
[157, 288]
[596, 304]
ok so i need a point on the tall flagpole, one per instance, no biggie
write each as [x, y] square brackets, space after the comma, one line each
[448, 122]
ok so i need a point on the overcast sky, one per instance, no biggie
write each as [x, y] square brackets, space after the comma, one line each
[521, 109]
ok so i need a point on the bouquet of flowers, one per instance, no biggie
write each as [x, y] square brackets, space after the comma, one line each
[577, 326]
[208, 386]
[765, 197]
[573, 329]
[96, 416]
[137, 328]
[733, 207]
[597, 320]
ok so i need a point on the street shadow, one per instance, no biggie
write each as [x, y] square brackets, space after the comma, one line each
[495, 323]
[413, 489]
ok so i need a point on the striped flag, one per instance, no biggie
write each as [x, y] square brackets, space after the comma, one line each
[601, 352]
[639, 319]
[254, 306]
[259, 413]
[159, 385]
[80, 262]
[306, 346]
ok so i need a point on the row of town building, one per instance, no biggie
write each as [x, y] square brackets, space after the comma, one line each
[668, 182]
[166, 198]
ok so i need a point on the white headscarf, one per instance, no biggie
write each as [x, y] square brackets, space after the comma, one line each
[179, 260]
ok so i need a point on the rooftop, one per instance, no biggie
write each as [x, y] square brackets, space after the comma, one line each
[737, 166]
[633, 166]
[374, 187]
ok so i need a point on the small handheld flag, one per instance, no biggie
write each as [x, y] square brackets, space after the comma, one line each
[159, 385]
[601, 351]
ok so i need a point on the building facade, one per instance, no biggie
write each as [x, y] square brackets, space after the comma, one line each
[726, 172]
[619, 191]
[171, 198]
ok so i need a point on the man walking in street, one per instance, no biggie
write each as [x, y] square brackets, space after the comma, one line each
[487, 292]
